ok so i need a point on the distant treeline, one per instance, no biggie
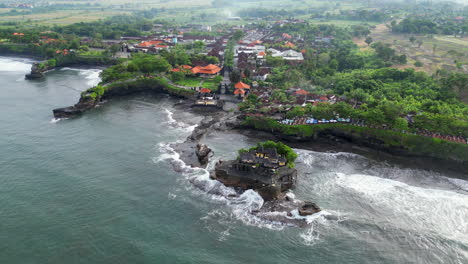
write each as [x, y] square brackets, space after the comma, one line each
[427, 26]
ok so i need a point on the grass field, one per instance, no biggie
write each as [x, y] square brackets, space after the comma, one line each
[181, 11]
[190, 82]
[435, 52]
[210, 84]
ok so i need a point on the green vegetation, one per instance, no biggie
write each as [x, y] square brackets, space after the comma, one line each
[281, 149]
[411, 144]
[137, 65]
[189, 82]
[430, 26]
[141, 83]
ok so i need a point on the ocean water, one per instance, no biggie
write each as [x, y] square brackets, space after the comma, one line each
[107, 188]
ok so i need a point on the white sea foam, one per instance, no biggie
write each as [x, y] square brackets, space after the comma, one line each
[15, 65]
[177, 124]
[415, 209]
[56, 120]
[92, 76]
[241, 206]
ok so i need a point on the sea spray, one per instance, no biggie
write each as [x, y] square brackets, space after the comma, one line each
[177, 124]
[92, 76]
[9, 65]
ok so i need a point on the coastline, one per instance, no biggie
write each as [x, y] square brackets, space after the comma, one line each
[330, 138]
[320, 143]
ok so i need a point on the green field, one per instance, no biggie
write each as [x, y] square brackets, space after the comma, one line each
[189, 82]
[180, 11]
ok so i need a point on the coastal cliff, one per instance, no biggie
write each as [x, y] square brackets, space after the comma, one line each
[92, 97]
[39, 68]
[395, 143]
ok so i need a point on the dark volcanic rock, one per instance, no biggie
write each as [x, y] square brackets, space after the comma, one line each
[66, 112]
[83, 105]
[34, 76]
[309, 208]
[36, 73]
[270, 184]
[203, 153]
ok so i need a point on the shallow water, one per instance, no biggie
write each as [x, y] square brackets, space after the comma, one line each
[107, 188]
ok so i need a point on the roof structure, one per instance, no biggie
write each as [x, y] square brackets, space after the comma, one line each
[210, 69]
[241, 85]
[205, 90]
[289, 44]
[147, 44]
[302, 92]
[239, 91]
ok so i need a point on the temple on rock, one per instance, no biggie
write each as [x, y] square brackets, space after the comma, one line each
[262, 169]
[265, 157]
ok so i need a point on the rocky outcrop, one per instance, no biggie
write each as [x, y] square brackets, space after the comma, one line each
[203, 153]
[36, 72]
[308, 208]
[83, 105]
[123, 88]
[269, 183]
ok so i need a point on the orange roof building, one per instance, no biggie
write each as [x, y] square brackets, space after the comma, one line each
[175, 70]
[205, 90]
[147, 44]
[241, 85]
[239, 92]
[289, 44]
[210, 70]
[302, 92]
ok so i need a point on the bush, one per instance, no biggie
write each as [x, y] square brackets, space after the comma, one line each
[418, 64]
[177, 76]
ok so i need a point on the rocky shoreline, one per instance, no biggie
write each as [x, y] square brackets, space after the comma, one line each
[195, 154]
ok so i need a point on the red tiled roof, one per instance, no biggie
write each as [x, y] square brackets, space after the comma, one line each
[175, 70]
[286, 35]
[239, 91]
[289, 44]
[241, 85]
[302, 92]
[205, 90]
[261, 53]
[210, 69]
[150, 43]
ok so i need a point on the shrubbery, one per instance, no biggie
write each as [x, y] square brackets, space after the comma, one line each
[281, 149]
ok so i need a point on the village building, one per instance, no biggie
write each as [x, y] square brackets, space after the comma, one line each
[208, 71]
[288, 55]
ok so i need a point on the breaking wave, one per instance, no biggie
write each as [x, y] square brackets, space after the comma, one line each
[92, 76]
[56, 120]
[177, 124]
[423, 208]
[15, 65]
